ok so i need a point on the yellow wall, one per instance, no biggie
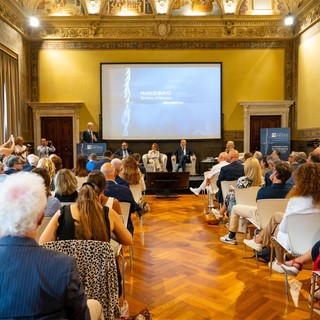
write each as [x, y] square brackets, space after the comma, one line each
[248, 75]
[308, 102]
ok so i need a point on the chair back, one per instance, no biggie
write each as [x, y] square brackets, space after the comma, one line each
[136, 190]
[225, 187]
[267, 207]
[303, 232]
[41, 228]
[97, 269]
[125, 209]
[246, 196]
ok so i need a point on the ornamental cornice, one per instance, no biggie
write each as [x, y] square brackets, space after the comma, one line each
[11, 18]
[308, 20]
[155, 29]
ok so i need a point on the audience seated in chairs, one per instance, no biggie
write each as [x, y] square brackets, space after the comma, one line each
[142, 169]
[57, 161]
[117, 165]
[252, 178]
[182, 156]
[66, 186]
[39, 282]
[86, 219]
[303, 198]
[91, 161]
[222, 161]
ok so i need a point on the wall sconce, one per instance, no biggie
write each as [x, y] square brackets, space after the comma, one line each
[34, 22]
[289, 19]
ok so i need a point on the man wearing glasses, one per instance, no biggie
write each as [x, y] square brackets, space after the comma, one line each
[124, 151]
[14, 165]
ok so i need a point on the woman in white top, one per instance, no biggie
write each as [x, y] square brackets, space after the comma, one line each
[154, 157]
[303, 198]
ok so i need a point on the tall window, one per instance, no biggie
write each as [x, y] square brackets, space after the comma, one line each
[9, 95]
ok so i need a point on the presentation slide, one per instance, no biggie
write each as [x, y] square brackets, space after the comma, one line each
[161, 101]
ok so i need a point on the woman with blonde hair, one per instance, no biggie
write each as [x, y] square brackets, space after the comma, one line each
[252, 177]
[65, 186]
[130, 171]
[47, 164]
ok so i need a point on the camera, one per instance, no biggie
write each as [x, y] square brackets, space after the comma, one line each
[313, 143]
[49, 143]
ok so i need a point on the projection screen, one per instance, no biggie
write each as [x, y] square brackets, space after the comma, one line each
[162, 101]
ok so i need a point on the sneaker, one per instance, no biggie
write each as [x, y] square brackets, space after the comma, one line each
[252, 244]
[290, 270]
[228, 240]
[276, 267]
[195, 191]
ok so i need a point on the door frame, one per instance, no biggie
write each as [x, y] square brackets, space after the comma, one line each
[56, 109]
[263, 108]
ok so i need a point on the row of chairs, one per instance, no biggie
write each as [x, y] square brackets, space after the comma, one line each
[303, 230]
[94, 255]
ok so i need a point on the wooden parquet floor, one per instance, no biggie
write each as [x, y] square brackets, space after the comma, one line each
[182, 271]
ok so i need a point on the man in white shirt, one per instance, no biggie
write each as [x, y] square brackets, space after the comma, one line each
[45, 148]
[222, 159]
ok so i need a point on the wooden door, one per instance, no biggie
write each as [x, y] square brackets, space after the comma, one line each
[59, 131]
[258, 122]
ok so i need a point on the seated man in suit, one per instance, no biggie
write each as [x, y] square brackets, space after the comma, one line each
[233, 171]
[89, 136]
[34, 282]
[120, 192]
[124, 151]
[183, 155]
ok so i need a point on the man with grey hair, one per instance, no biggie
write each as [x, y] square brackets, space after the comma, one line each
[117, 165]
[89, 136]
[14, 165]
[34, 282]
[32, 162]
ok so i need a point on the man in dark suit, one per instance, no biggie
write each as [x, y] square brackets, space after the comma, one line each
[14, 165]
[120, 192]
[106, 158]
[233, 171]
[183, 155]
[34, 282]
[124, 151]
[89, 136]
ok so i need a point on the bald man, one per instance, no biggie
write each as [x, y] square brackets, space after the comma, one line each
[89, 136]
[232, 171]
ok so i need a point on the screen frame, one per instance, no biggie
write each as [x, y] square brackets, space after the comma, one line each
[211, 63]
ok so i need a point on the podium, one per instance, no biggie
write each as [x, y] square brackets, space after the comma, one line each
[88, 148]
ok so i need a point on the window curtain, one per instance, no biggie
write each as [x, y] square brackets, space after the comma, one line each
[9, 81]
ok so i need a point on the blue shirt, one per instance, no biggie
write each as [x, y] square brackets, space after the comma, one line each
[275, 191]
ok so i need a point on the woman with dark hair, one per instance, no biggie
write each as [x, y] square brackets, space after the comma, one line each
[80, 171]
[86, 219]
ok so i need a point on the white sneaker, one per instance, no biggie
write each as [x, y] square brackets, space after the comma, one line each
[196, 191]
[252, 244]
[228, 240]
[276, 267]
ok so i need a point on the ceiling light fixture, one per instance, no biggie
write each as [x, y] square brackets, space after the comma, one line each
[34, 22]
[289, 19]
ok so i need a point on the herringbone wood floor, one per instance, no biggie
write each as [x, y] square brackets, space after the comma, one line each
[182, 271]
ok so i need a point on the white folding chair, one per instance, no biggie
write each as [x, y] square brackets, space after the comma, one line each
[246, 197]
[303, 233]
[212, 189]
[225, 187]
[265, 209]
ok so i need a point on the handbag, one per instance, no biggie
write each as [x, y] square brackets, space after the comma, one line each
[212, 217]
